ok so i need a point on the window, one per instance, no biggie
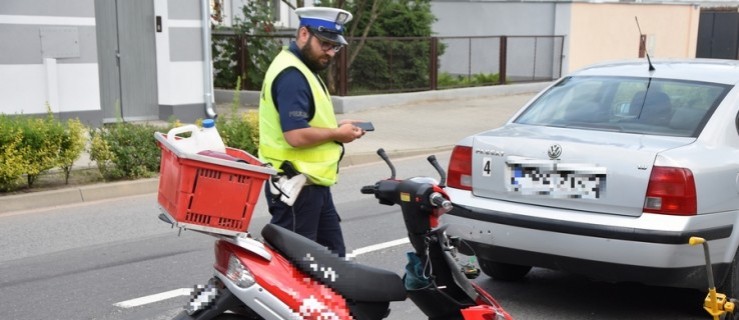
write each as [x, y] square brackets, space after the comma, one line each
[624, 104]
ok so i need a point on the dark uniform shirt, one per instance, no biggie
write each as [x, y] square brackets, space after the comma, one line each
[292, 97]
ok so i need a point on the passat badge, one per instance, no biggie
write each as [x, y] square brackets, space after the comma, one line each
[554, 152]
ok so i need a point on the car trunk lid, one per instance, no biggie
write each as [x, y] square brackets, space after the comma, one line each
[594, 171]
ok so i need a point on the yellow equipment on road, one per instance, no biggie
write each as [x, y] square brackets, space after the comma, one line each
[716, 304]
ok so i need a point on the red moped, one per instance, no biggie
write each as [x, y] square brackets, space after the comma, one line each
[287, 276]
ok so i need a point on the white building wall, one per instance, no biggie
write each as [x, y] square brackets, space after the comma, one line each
[59, 70]
[180, 60]
[69, 80]
[162, 44]
[178, 82]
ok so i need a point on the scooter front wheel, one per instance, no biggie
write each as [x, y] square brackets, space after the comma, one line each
[215, 302]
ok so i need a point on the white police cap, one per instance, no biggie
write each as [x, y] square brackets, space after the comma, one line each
[326, 23]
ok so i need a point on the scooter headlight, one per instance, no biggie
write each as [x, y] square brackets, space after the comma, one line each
[239, 273]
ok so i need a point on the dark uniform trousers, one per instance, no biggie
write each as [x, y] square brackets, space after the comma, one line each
[313, 216]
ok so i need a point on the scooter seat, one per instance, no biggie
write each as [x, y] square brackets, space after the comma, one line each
[353, 281]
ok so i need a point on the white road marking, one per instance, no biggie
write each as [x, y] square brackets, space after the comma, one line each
[153, 298]
[376, 247]
[185, 291]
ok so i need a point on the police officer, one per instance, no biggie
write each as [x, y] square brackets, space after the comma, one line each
[297, 125]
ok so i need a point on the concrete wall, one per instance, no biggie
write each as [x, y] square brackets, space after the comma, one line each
[467, 18]
[593, 31]
[497, 18]
[601, 31]
[48, 54]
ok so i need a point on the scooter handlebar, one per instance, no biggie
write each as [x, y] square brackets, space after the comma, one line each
[438, 200]
[368, 189]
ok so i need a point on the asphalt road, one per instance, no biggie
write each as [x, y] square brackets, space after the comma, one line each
[82, 261]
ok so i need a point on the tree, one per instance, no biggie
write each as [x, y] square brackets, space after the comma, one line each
[389, 64]
[389, 18]
[385, 64]
[255, 29]
[376, 64]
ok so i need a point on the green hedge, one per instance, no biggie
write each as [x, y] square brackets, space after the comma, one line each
[125, 151]
[32, 146]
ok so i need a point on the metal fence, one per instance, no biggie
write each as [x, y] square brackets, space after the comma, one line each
[384, 65]
[516, 59]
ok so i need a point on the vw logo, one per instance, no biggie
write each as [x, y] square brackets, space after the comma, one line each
[554, 152]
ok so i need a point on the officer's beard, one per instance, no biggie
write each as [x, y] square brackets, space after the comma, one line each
[311, 60]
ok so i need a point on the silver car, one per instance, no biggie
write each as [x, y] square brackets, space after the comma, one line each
[608, 173]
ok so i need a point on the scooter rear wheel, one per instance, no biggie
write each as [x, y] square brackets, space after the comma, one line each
[231, 316]
[225, 316]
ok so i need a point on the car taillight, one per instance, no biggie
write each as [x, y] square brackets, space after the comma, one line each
[460, 168]
[671, 191]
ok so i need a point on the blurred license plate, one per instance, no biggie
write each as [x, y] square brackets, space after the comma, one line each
[555, 179]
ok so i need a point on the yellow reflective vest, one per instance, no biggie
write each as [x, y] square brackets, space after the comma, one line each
[319, 163]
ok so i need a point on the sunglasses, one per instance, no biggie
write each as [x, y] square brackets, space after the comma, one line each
[326, 45]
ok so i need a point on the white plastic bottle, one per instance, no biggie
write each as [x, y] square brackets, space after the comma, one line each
[209, 138]
[185, 145]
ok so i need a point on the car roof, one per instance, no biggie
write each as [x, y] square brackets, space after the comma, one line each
[706, 70]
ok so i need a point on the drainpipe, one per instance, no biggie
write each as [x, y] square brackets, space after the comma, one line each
[207, 60]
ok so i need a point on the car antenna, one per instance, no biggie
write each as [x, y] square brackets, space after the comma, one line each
[642, 38]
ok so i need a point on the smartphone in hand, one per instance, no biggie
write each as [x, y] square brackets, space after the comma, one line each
[366, 126]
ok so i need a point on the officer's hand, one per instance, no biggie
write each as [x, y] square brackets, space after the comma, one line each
[347, 132]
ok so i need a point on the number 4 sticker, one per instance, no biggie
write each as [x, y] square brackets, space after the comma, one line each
[486, 166]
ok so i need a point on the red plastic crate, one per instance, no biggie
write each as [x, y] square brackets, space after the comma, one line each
[207, 193]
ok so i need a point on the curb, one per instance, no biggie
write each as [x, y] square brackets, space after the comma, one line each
[371, 157]
[88, 193]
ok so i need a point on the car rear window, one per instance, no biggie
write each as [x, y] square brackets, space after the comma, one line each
[625, 104]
